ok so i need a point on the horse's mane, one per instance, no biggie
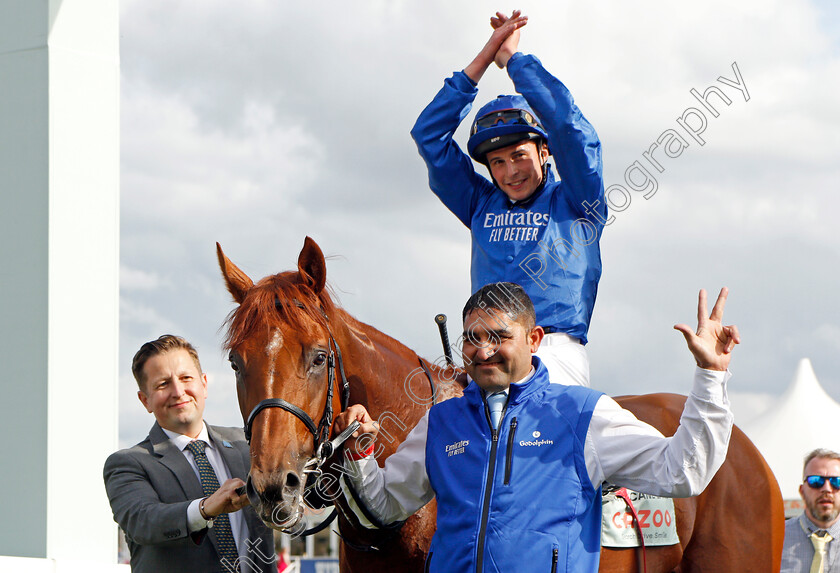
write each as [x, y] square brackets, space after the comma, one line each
[274, 301]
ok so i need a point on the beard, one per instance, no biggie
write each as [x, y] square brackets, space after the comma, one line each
[825, 514]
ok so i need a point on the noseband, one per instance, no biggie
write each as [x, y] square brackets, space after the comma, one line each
[324, 447]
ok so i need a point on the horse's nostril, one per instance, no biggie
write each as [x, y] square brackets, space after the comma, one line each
[252, 493]
[292, 480]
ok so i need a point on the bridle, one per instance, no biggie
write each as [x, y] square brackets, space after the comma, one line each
[324, 447]
[321, 434]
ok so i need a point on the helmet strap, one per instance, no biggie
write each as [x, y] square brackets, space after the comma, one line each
[492, 178]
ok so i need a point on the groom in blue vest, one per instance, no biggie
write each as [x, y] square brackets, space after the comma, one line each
[516, 464]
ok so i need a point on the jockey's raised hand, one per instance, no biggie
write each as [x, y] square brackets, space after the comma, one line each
[502, 31]
[713, 342]
[511, 44]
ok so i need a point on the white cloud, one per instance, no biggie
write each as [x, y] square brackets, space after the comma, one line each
[136, 279]
[149, 317]
[175, 167]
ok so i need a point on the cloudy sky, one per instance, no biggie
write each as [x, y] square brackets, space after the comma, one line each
[257, 123]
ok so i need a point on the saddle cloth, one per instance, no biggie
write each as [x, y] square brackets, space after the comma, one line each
[656, 518]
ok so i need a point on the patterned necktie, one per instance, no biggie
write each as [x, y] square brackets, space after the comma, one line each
[209, 485]
[820, 539]
[496, 403]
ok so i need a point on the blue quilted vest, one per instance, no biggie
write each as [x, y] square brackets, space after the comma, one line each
[518, 499]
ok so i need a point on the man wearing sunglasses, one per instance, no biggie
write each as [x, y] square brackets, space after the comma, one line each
[811, 544]
[527, 228]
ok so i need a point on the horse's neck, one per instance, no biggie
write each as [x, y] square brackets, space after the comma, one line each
[385, 375]
[367, 347]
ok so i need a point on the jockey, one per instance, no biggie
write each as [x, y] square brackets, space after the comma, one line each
[527, 227]
[516, 464]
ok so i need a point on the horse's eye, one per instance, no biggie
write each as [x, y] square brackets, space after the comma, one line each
[320, 358]
[233, 364]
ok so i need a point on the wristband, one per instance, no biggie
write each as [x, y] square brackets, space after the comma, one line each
[209, 520]
[356, 456]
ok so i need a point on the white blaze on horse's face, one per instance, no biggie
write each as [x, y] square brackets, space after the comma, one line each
[287, 365]
[497, 349]
[275, 343]
[280, 354]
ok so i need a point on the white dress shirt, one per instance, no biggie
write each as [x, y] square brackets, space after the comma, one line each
[194, 520]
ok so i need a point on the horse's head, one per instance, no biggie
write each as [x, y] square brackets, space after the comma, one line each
[281, 350]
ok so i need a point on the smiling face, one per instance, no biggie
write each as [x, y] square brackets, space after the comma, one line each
[497, 349]
[517, 168]
[174, 391]
[822, 506]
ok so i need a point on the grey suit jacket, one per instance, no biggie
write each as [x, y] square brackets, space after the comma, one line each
[150, 486]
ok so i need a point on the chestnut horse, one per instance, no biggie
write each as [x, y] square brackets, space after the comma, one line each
[299, 359]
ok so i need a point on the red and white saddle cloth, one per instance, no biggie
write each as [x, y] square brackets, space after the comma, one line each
[626, 513]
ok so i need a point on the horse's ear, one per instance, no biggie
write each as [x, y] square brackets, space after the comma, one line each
[311, 265]
[237, 282]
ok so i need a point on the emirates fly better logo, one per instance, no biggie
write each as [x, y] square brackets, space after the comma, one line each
[456, 448]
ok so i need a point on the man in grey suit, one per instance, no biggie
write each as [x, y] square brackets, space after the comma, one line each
[174, 493]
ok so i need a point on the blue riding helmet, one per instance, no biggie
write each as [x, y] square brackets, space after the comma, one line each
[503, 121]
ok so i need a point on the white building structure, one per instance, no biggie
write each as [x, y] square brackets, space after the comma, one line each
[59, 252]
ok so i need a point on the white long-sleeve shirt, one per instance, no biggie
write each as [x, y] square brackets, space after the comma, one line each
[619, 448]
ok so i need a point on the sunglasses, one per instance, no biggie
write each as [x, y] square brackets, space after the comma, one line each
[816, 482]
[505, 117]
